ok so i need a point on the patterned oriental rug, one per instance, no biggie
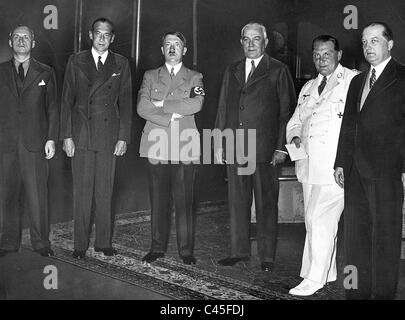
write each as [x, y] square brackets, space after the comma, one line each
[205, 280]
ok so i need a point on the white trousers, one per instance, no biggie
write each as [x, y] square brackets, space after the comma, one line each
[323, 207]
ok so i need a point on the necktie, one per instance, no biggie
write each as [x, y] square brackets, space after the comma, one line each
[322, 85]
[21, 72]
[172, 75]
[100, 65]
[373, 78]
[252, 69]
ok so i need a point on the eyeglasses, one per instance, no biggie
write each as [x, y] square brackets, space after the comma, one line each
[100, 35]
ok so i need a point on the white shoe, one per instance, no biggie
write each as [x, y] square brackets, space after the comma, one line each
[306, 288]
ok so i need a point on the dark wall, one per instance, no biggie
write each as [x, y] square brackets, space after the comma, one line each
[291, 26]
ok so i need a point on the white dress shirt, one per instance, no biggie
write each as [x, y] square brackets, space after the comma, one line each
[176, 67]
[95, 55]
[248, 65]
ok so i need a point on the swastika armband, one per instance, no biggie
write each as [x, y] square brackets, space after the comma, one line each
[197, 91]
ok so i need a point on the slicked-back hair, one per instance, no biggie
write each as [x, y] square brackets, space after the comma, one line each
[325, 38]
[387, 32]
[10, 35]
[103, 20]
[256, 25]
[177, 34]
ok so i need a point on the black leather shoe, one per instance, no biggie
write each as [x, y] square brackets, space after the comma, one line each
[267, 266]
[79, 254]
[232, 261]
[4, 252]
[109, 252]
[45, 252]
[152, 256]
[189, 260]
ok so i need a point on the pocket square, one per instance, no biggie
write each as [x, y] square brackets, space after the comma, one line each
[42, 83]
[115, 74]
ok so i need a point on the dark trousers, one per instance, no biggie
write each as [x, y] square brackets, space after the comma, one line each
[372, 222]
[26, 171]
[170, 183]
[93, 180]
[264, 182]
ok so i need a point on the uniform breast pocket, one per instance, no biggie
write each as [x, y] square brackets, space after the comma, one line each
[157, 94]
[183, 92]
[337, 108]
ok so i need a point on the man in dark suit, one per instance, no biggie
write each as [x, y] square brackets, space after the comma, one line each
[168, 99]
[258, 94]
[96, 115]
[29, 123]
[369, 163]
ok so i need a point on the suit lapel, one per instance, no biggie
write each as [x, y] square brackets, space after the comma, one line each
[360, 91]
[260, 72]
[87, 65]
[33, 73]
[109, 67]
[180, 78]
[386, 79]
[240, 73]
[164, 77]
[9, 78]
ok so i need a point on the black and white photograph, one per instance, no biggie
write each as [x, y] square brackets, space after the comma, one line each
[210, 156]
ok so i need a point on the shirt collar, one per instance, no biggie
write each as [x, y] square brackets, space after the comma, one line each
[95, 55]
[176, 67]
[380, 68]
[248, 62]
[336, 71]
[24, 62]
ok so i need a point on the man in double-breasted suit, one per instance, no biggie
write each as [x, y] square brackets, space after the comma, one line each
[315, 126]
[168, 99]
[29, 124]
[96, 115]
[257, 94]
[369, 165]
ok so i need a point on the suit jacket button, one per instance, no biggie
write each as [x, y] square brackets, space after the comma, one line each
[91, 101]
[240, 124]
[171, 93]
[242, 107]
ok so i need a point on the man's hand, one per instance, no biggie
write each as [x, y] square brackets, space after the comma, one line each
[158, 104]
[296, 141]
[339, 177]
[49, 149]
[120, 148]
[69, 147]
[219, 155]
[176, 116]
[278, 157]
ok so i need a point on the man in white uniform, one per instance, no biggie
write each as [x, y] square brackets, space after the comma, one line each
[315, 126]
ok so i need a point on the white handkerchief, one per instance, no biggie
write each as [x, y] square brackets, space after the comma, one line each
[296, 153]
[42, 83]
[115, 74]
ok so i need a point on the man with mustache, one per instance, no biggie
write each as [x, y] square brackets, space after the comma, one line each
[168, 99]
[96, 115]
[369, 166]
[29, 124]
